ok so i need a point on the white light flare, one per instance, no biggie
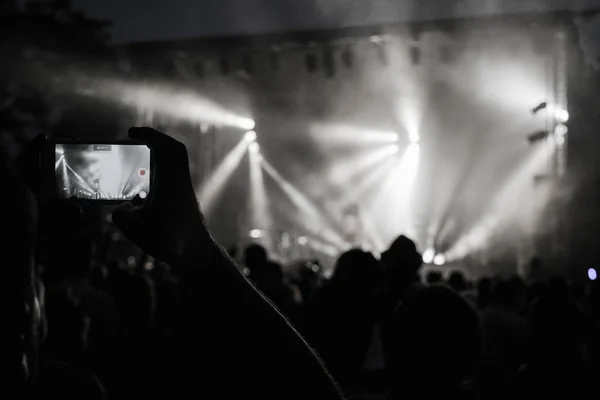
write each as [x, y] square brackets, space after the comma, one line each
[428, 255]
[439, 260]
[212, 188]
[592, 274]
[250, 136]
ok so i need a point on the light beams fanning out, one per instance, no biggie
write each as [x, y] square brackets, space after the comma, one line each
[212, 188]
[312, 218]
[508, 206]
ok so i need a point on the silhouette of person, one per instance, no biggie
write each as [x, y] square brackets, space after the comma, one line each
[246, 347]
[342, 316]
[25, 374]
[435, 339]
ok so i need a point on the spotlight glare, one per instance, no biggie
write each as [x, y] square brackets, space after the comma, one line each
[250, 136]
[255, 233]
[428, 255]
[592, 274]
[246, 123]
[561, 130]
[562, 115]
[414, 138]
[59, 151]
[254, 147]
[439, 260]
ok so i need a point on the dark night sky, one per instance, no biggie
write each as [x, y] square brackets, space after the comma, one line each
[142, 20]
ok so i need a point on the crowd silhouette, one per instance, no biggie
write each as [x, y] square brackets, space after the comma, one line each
[86, 319]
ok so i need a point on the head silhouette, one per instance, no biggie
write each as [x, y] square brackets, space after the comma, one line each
[457, 281]
[436, 338]
[354, 270]
[402, 261]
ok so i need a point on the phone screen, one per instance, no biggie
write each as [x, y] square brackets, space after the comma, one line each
[102, 171]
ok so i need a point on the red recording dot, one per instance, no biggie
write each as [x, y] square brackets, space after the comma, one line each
[142, 172]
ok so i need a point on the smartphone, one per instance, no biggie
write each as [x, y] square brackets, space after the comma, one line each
[97, 171]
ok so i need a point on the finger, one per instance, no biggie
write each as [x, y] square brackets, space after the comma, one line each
[150, 137]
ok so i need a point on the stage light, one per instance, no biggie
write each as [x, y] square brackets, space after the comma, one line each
[302, 240]
[59, 151]
[561, 130]
[250, 136]
[428, 255]
[254, 147]
[439, 260]
[592, 274]
[414, 138]
[561, 115]
[255, 233]
[246, 123]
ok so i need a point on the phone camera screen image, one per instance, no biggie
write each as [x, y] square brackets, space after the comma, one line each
[114, 172]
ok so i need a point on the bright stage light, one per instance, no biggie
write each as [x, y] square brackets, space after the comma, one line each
[250, 136]
[428, 255]
[302, 240]
[592, 274]
[561, 115]
[255, 233]
[414, 138]
[59, 151]
[254, 148]
[246, 123]
[439, 260]
[561, 130]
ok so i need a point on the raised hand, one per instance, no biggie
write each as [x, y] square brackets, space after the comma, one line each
[170, 222]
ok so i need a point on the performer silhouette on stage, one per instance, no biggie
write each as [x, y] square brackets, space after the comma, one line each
[97, 189]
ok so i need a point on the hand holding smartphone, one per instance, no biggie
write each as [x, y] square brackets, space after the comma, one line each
[97, 171]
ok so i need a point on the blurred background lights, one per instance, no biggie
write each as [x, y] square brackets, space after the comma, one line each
[592, 274]
[439, 260]
[428, 256]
